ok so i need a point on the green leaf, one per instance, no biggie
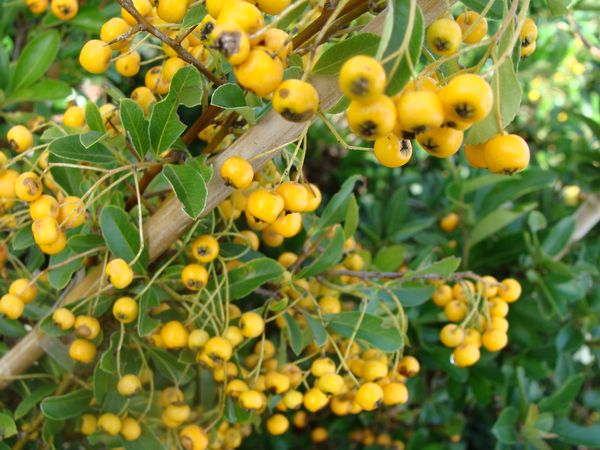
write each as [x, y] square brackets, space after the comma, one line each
[70, 148]
[146, 323]
[444, 268]
[389, 259]
[67, 406]
[561, 400]
[80, 243]
[93, 118]
[147, 440]
[165, 126]
[35, 59]
[398, 70]
[505, 427]
[168, 365]
[231, 96]
[102, 383]
[8, 427]
[336, 208]
[189, 187]
[507, 93]
[326, 259]
[69, 178]
[32, 399]
[571, 433]
[136, 126]
[23, 239]
[559, 236]
[194, 15]
[414, 295]
[43, 90]
[371, 330]
[559, 7]
[495, 221]
[295, 335]
[318, 330]
[251, 275]
[90, 138]
[352, 218]
[121, 236]
[332, 59]
[532, 180]
[496, 11]
[536, 221]
[61, 276]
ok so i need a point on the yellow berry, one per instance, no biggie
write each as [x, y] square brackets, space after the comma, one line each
[125, 310]
[95, 56]
[82, 350]
[19, 138]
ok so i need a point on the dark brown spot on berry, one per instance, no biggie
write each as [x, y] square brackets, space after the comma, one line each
[228, 43]
[360, 86]
[464, 110]
[295, 116]
[368, 128]
[283, 93]
[441, 45]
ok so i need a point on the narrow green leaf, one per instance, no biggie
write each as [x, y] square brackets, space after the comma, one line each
[121, 236]
[136, 126]
[146, 323]
[332, 59]
[336, 208]
[35, 59]
[562, 399]
[251, 275]
[495, 221]
[444, 268]
[60, 277]
[67, 406]
[318, 330]
[71, 149]
[330, 256]
[559, 236]
[32, 399]
[389, 259]
[43, 90]
[575, 434]
[69, 178]
[189, 187]
[371, 329]
[93, 118]
[294, 334]
[399, 70]
[8, 427]
[352, 218]
[165, 126]
[505, 427]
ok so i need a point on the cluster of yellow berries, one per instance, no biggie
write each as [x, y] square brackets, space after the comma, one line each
[270, 206]
[62, 9]
[235, 28]
[437, 116]
[20, 293]
[51, 215]
[111, 424]
[367, 437]
[478, 315]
